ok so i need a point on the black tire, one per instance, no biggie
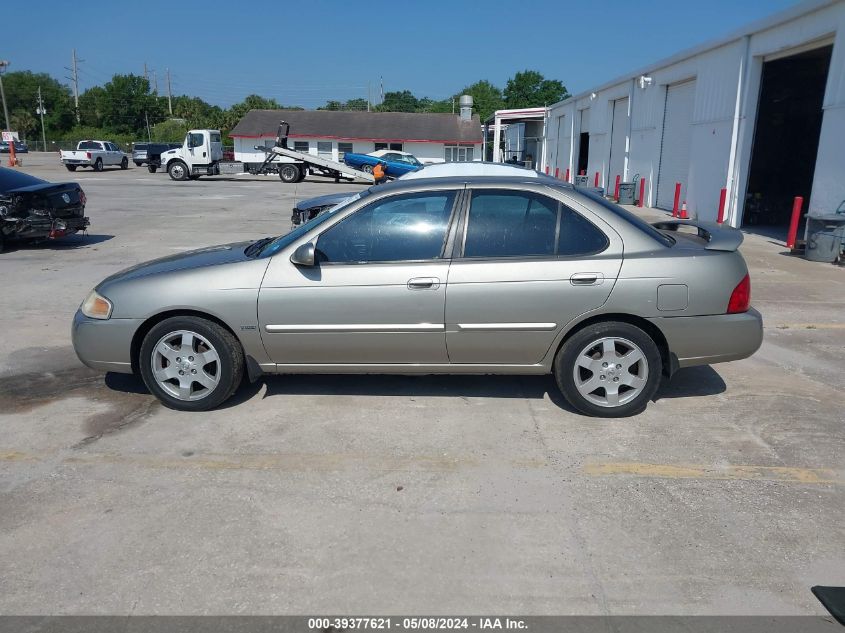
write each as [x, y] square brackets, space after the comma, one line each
[230, 366]
[152, 169]
[624, 336]
[177, 170]
[137, 164]
[71, 167]
[124, 164]
[98, 164]
[2, 242]
[289, 172]
[303, 173]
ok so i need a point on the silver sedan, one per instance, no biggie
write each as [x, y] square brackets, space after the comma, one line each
[480, 275]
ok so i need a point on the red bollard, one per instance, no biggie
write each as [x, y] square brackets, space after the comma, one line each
[677, 200]
[793, 223]
[13, 160]
[642, 192]
[566, 178]
[547, 170]
[616, 187]
[596, 180]
[557, 172]
[722, 195]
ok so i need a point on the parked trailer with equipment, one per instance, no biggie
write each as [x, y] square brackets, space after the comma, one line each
[202, 155]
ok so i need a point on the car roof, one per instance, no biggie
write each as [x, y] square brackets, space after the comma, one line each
[471, 168]
[473, 179]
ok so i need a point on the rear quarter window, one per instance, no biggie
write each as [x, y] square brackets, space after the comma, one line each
[630, 218]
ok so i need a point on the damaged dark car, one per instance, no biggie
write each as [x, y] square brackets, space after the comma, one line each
[32, 209]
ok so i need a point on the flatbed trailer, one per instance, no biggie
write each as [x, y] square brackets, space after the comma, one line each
[323, 166]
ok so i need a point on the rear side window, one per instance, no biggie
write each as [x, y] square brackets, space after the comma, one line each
[524, 224]
[215, 137]
[629, 217]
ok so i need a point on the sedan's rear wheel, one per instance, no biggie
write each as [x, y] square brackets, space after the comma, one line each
[190, 363]
[609, 369]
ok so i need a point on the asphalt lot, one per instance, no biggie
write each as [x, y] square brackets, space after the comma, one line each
[404, 495]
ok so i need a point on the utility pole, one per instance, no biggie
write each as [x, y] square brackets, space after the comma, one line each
[3, 66]
[155, 82]
[147, 119]
[368, 96]
[75, 79]
[145, 72]
[42, 112]
[169, 94]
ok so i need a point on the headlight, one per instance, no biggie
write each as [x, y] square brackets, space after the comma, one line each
[96, 306]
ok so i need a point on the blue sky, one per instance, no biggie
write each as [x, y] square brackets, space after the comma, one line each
[304, 53]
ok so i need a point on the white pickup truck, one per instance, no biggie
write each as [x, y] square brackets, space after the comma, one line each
[96, 154]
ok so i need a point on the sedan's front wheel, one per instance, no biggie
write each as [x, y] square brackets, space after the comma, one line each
[609, 370]
[190, 363]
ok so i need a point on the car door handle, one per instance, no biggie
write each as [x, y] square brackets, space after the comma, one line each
[423, 283]
[586, 279]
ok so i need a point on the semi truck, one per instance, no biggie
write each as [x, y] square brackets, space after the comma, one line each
[202, 155]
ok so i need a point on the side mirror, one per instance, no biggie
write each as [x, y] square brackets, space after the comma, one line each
[304, 255]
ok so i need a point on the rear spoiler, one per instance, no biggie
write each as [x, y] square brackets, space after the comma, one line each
[717, 236]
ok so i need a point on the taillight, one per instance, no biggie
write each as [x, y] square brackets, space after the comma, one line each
[82, 197]
[741, 296]
[88, 155]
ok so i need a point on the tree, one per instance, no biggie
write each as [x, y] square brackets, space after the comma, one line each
[24, 123]
[529, 89]
[122, 105]
[486, 98]
[172, 130]
[403, 101]
[21, 90]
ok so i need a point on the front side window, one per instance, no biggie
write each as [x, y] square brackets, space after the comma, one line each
[409, 227]
[196, 140]
[215, 137]
[525, 224]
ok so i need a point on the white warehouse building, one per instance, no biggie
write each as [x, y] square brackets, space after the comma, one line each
[760, 113]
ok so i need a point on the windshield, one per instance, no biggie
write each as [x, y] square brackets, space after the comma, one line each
[413, 161]
[288, 238]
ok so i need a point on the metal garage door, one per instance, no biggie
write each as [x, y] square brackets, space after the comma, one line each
[677, 138]
[618, 137]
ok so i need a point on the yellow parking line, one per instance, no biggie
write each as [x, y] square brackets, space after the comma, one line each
[750, 473]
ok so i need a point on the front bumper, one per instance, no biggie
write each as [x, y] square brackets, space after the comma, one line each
[719, 338]
[105, 345]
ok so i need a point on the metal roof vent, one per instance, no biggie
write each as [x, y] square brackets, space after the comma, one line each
[466, 107]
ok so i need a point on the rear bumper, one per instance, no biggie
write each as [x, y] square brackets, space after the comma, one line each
[34, 227]
[104, 345]
[705, 340]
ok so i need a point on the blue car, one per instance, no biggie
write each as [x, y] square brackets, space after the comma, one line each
[395, 163]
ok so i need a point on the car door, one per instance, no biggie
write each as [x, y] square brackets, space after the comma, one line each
[526, 264]
[376, 293]
[111, 156]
